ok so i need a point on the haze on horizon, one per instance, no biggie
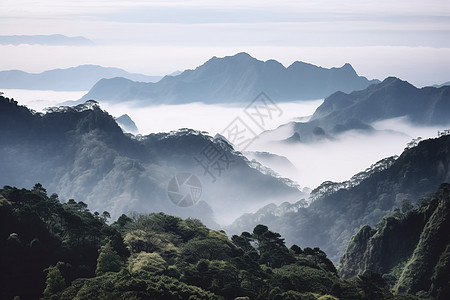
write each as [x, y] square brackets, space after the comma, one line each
[407, 39]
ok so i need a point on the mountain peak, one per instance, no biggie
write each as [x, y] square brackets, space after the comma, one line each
[239, 57]
[238, 78]
[396, 82]
[127, 124]
[348, 66]
[391, 79]
[243, 55]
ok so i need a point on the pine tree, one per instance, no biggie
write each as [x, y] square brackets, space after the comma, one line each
[108, 260]
[55, 282]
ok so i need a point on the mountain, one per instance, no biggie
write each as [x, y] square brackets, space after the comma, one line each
[65, 251]
[81, 153]
[238, 78]
[127, 124]
[411, 249]
[80, 78]
[441, 85]
[391, 98]
[338, 210]
[53, 39]
[273, 161]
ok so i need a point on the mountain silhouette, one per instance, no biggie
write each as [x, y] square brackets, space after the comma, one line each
[391, 98]
[127, 124]
[52, 39]
[80, 78]
[81, 153]
[238, 78]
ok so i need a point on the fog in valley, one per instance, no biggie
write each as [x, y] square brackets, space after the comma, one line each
[186, 149]
[306, 164]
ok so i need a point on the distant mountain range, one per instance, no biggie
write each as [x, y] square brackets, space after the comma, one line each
[238, 78]
[391, 98]
[53, 39]
[81, 153]
[339, 210]
[80, 78]
[441, 85]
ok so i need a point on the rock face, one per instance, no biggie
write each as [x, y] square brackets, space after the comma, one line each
[411, 249]
[238, 78]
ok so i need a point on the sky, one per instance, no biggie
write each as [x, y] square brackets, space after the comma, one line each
[407, 39]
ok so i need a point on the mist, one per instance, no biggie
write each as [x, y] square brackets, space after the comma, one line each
[337, 160]
[40, 99]
[211, 118]
[308, 164]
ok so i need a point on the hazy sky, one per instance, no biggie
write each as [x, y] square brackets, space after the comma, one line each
[408, 39]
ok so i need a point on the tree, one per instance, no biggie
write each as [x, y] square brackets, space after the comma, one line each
[39, 189]
[148, 262]
[106, 216]
[55, 282]
[296, 249]
[123, 220]
[108, 260]
[243, 241]
[271, 247]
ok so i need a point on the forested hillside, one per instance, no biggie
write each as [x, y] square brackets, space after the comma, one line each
[64, 251]
[80, 152]
[340, 209]
[411, 248]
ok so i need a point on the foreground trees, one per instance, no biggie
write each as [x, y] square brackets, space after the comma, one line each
[63, 251]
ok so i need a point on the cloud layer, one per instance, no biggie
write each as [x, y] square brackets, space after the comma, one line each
[408, 39]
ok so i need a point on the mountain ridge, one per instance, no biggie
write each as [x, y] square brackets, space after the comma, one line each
[52, 39]
[358, 110]
[81, 152]
[331, 220]
[79, 78]
[409, 248]
[236, 78]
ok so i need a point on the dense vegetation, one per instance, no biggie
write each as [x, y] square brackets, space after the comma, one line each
[81, 153]
[37, 231]
[341, 209]
[63, 251]
[411, 248]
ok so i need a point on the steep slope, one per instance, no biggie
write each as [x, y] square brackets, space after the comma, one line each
[127, 124]
[411, 249]
[80, 152]
[391, 98]
[238, 78]
[388, 99]
[340, 210]
[80, 78]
